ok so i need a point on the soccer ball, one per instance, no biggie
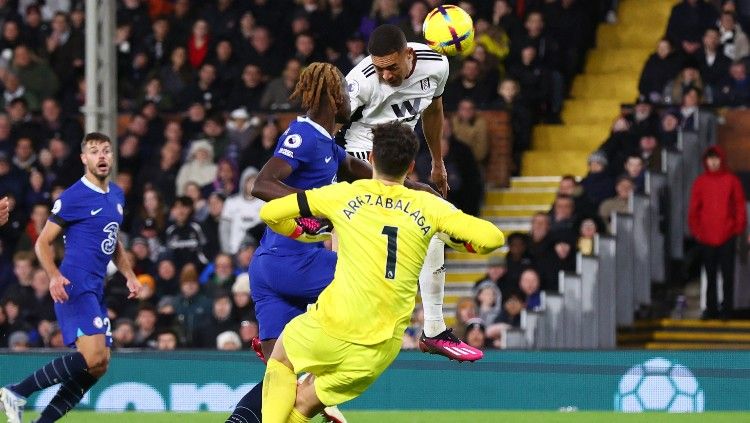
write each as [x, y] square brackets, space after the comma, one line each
[449, 30]
[659, 385]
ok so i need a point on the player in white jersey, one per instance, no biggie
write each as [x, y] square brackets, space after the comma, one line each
[401, 82]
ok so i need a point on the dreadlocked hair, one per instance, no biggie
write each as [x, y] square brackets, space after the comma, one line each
[317, 80]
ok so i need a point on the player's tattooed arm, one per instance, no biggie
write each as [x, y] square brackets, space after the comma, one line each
[432, 125]
[120, 258]
[268, 185]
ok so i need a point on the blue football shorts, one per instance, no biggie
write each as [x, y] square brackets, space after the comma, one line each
[84, 313]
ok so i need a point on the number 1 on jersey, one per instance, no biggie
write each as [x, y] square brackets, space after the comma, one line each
[390, 261]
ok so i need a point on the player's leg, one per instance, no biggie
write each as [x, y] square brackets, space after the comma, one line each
[432, 287]
[73, 316]
[95, 348]
[279, 387]
[436, 338]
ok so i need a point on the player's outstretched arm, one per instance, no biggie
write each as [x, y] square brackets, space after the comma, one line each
[290, 216]
[46, 255]
[268, 185]
[477, 235]
[126, 268]
[432, 125]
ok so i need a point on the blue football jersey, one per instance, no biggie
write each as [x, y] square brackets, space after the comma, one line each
[91, 220]
[315, 158]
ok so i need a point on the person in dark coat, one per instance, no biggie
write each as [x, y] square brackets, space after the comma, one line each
[659, 69]
[598, 184]
[561, 256]
[714, 65]
[716, 217]
[688, 22]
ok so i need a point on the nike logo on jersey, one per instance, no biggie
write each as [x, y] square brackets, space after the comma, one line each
[95, 212]
[328, 159]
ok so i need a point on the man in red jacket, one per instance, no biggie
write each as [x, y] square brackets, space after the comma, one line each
[716, 217]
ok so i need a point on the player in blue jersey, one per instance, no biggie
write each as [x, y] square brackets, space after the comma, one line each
[89, 214]
[286, 275]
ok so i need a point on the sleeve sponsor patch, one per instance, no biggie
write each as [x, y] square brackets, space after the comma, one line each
[286, 152]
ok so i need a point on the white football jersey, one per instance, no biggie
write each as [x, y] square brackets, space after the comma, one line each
[374, 101]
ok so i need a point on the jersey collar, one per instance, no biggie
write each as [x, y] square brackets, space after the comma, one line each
[314, 125]
[92, 186]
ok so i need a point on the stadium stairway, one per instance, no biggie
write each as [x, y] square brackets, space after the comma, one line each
[610, 79]
[689, 334]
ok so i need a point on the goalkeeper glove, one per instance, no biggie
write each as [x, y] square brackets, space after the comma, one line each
[312, 229]
[456, 244]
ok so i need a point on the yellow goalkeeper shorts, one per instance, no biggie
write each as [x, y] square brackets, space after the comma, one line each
[342, 370]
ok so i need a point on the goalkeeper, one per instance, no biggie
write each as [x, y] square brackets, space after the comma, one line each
[355, 329]
[287, 275]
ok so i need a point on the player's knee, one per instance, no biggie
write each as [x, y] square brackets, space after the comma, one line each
[96, 360]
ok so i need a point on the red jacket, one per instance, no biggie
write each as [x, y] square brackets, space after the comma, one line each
[717, 204]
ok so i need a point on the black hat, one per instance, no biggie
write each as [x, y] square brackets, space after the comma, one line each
[643, 99]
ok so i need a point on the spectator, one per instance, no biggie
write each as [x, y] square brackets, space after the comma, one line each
[276, 95]
[248, 332]
[305, 50]
[241, 132]
[218, 276]
[471, 129]
[24, 157]
[55, 125]
[563, 214]
[167, 283]
[226, 64]
[530, 285]
[624, 188]
[124, 334]
[198, 44]
[152, 210]
[18, 286]
[688, 78]
[598, 185]
[261, 149]
[586, 235]
[220, 321]
[191, 307]
[539, 236]
[159, 43]
[561, 257]
[503, 17]
[650, 152]
[689, 113]
[734, 90]
[248, 92]
[475, 335]
[517, 258]
[205, 90]
[490, 65]
[34, 75]
[463, 174]
[18, 341]
[670, 124]
[714, 65]
[355, 52]
[64, 51]
[200, 205]
[467, 85]
[466, 309]
[734, 41]
[569, 186]
[264, 52]
[243, 307]
[659, 69]
[489, 301]
[716, 217]
[567, 25]
[145, 334]
[228, 341]
[510, 316]
[37, 219]
[643, 119]
[184, 239]
[215, 133]
[412, 25]
[520, 117]
[198, 168]
[143, 263]
[167, 340]
[382, 12]
[687, 23]
[177, 75]
[635, 169]
[241, 215]
[210, 225]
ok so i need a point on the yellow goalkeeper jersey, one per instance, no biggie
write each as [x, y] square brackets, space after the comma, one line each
[383, 232]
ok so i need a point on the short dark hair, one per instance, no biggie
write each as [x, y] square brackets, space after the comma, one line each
[385, 40]
[184, 200]
[96, 137]
[394, 147]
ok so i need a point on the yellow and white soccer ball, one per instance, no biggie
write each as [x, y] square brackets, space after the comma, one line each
[449, 30]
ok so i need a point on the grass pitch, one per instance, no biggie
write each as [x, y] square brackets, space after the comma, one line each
[424, 417]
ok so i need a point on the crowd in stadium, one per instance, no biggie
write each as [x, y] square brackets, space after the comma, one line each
[202, 84]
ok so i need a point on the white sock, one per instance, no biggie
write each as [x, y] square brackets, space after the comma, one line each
[432, 287]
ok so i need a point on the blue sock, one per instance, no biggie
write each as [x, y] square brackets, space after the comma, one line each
[70, 393]
[56, 371]
[248, 409]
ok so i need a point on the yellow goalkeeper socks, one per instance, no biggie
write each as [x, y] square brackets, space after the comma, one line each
[279, 392]
[297, 417]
